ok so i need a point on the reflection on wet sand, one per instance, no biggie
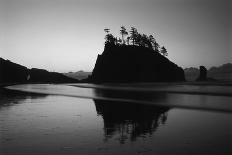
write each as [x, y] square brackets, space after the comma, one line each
[129, 121]
[72, 125]
[9, 97]
[134, 96]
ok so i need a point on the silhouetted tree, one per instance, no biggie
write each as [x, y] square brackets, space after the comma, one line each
[138, 39]
[123, 32]
[163, 51]
[156, 46]
[152, 40]
[146, 41]
[110, 39]
[107, 30]
[116, 41]
[142, 40]
[128, 40]
[133, 35]
[119, 41]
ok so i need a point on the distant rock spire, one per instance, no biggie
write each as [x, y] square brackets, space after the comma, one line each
[203, 74]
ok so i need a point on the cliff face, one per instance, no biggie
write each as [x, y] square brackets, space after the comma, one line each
[14, 73]
[134, 64]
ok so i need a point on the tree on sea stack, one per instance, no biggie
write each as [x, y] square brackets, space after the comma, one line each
[123, 32]
[133, 35]
[152, 40]
[138, 39]
[110, 39]
[120, 41]
[163, 51]
[128, 40]
[156, 46]
[107, 30]
[107, 35]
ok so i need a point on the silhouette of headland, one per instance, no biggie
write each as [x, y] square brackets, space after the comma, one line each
[11, 73]
[129, 63]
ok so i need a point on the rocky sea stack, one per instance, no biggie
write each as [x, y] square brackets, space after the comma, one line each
[129, 63]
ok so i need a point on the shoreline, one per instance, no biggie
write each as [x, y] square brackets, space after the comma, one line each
[178, 96]
[146, 84]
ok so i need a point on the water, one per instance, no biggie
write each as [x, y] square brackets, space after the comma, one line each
[181, 96]
[104, 122]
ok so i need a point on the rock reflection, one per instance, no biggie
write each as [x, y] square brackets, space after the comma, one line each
[129, 121]
[158, 97]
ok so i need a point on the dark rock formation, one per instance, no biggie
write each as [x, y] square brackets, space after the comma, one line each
[134, 64]
[221, 73]
[11, 72]
[14, 73]
[203, 74]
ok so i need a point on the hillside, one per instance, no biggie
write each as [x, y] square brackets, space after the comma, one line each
[11, 72]
[134, 64]
[191, 73]
[80, 75]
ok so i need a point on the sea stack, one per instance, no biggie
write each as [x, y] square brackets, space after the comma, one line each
[203, 74]
[129, 63]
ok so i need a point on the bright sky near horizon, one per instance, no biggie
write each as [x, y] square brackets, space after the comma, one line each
[67, 35]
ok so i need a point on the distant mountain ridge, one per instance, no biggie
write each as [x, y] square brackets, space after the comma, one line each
[11, 72]
[223, 72]
[80, 75]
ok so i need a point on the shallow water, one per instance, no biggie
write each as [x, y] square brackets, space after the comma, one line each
[55, 124]
[217, 98]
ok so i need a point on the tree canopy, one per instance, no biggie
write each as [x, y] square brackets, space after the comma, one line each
[134, 39]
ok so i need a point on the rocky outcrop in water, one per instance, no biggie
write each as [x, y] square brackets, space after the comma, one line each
[134, 64]
[221, 73]
[203, 74]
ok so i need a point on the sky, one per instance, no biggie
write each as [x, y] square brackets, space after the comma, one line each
[67, 35]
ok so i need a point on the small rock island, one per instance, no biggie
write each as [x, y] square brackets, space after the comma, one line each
[138, 58]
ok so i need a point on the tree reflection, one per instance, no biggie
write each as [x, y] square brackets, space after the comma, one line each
[129, 121]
